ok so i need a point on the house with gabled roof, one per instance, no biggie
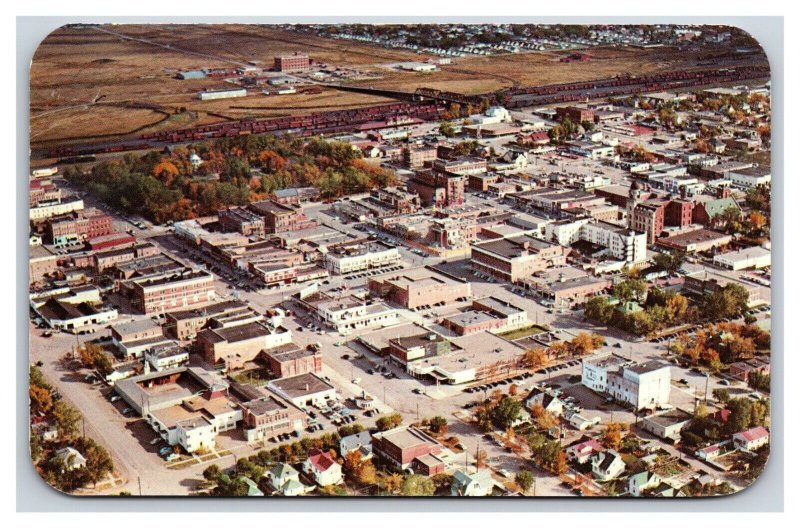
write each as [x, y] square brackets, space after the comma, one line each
[642, 481]
[751, 439]
[547, 400]
[361, 442]
[607, 465]
[286, 480]
[478, 484]
[581, 453]
[322, 468]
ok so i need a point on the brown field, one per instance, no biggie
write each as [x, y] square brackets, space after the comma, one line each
[82, 78]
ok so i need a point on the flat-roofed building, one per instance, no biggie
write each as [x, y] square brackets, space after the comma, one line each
[45, 209]
[78, 226]
[348, 314]
[305, 390]
[289, 360]
[242, 221]
[667, 424]
[237, 345]
[417, 156]
[168, 291]
[753, 257]
[568, 291]
[440, 189]
[641, 385]
[399, 200]
[412, 288]
[620, 243]
[405, 350]
[296, 62]
[516, 258]
[132, 338]
[487, 314]
[185, 324]
[698, 240]
[553, 201]
[404, 447]
[360, 255]
[270, 415]
[279, 218]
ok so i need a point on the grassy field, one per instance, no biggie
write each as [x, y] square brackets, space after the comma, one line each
[82, 78]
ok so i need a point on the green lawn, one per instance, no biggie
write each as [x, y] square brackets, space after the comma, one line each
[522, 333]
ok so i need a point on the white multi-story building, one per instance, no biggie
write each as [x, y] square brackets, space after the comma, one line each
[352, 257]
[644, 385]
[47, 209]
[346, 315]
[620, 243]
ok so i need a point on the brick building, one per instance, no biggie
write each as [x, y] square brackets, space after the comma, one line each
[294, 63]
[438, 188]
[280, 218]
[409, 447]
[242, 221]
[575, 114]
[413, 288]
[78, 226]
[416, 157]
[161, 292]
[288, 360]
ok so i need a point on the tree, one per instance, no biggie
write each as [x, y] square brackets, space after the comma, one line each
[98, 461]
[670, 262]
[41, 400]
[759, 381]
[524, 479]
[722, 395]
[66, 419]
[599, 309]
[630, 290]
[438, 424]
[391, 484]
[506, 412]
[585, 343]
[212, 472]
[384, 423]
[534, 357]
[612, 434]
[447, 129]
[418, 486]
[483, 417]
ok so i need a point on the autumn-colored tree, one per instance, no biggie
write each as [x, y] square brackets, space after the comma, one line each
[612, 434]
[41, 400]
[392, 483]
[534, 357]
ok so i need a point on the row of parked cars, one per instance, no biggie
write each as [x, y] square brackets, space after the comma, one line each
[560, 366]
[370, 273]
[494, 384]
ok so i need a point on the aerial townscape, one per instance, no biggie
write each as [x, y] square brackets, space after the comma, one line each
[449, 260]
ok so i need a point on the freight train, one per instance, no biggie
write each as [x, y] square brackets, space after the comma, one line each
[385, 116]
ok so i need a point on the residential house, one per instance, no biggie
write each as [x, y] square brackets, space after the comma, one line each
[361, 442]
[607, 465]
[478, 484]
[752, 439]
[641, 482]
[322, 468]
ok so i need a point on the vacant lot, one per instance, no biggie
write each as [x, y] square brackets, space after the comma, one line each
[94, 81]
